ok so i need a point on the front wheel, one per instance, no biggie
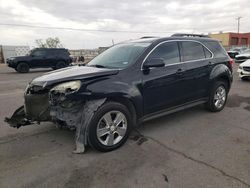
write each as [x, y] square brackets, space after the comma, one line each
[217, 97]
[110, 126]
[22, 68]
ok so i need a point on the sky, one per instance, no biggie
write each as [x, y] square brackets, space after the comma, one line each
[93, 23]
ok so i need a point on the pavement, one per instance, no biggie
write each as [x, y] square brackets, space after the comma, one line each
[189, 149]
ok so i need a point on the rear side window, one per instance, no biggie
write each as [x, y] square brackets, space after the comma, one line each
[39, 53]
[63, 52]
[168, 51]
[192, 51]
[216, 48]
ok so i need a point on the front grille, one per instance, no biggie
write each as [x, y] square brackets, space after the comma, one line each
[246, 69]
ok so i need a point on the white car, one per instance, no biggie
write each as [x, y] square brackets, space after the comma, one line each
[244, 70]
[243, 56]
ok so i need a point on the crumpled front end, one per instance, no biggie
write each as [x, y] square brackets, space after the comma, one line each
[36, 108]
[62, 104]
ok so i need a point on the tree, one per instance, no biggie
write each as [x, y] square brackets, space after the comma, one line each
[49, 43]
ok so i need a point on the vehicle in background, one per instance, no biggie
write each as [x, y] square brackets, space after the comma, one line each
[127, 84]
[236, 51]
[242, 56]
[54, 58]
[244, 70]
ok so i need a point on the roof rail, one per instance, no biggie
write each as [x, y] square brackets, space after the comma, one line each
[189, 35]
[147, 37]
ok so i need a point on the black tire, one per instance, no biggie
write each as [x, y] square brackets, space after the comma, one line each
[210, 105]
[244, 78]
[22, 68]
[59, 65]
[93, 140]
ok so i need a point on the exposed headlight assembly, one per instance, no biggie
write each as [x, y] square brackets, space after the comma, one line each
[67, 87]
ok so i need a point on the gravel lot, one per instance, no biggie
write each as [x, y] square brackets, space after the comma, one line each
[188, 149]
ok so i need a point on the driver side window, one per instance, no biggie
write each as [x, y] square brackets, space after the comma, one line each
[168, 51]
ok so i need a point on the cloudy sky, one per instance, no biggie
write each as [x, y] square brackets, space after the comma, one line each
[93, 23]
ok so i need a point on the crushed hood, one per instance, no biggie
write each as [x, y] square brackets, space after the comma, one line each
[72, 73]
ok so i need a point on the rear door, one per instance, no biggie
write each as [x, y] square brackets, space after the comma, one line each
[197, 61]
[162, 86]
[51, 58]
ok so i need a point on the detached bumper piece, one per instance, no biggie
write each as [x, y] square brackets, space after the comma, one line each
[18, 118]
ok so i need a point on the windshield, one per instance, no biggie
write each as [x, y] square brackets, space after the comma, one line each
[119, 56]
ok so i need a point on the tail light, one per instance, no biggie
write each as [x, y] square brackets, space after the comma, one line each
[231, 62]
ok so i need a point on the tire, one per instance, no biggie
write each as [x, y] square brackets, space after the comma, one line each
[59, 65]
[104, 143]
[244, 78]
[22, 68]
[218, 96]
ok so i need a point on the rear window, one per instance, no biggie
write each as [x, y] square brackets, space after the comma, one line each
[192, 51]
[216, 48]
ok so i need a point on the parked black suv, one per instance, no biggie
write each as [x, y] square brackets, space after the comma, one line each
[129, 83]
[55, 58]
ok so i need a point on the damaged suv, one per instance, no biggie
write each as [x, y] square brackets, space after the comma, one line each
[127, 84]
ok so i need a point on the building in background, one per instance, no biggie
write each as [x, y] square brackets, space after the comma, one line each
[12, 51]
[229, 40]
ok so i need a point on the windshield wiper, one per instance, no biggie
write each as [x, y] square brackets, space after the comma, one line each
[98, 66]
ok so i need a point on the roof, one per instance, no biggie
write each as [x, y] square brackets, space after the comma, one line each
[175, 37]
[50, 49]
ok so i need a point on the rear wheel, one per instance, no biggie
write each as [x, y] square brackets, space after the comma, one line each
[218, 96]
[22, 68]
[109, 127]
[59, 65]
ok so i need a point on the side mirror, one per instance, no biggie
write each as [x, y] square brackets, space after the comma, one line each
[154, 62]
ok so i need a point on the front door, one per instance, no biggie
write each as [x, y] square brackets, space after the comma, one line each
[38, 58]
[162, 86]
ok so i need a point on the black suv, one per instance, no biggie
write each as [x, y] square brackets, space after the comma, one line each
[55, 58]
[127, 84]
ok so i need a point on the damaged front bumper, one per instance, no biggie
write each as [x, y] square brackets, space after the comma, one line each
[42, 105]
[36, 109]
[73, 110]
[18, 118]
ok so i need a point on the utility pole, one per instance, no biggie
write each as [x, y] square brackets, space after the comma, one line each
[238, 19]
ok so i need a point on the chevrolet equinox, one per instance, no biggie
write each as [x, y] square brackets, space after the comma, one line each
[129, 83]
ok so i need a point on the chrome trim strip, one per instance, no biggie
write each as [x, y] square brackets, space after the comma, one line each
[181, 62]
